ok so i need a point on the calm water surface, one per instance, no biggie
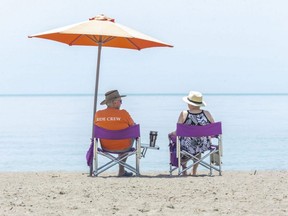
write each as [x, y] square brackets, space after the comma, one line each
[52, 133]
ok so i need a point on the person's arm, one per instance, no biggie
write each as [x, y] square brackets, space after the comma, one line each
[181, 120]
[128, 117]
[131, 122]
[209, 116]
[182, 117]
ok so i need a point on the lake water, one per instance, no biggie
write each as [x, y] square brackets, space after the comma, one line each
[52, 133]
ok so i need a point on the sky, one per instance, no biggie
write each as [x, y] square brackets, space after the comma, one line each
[220, 46]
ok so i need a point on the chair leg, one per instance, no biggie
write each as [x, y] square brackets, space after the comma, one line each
[95, 158]
[210, 168]
[91, 170]
[220, 167]
[120, 160]
[138, 156]
[178, 152]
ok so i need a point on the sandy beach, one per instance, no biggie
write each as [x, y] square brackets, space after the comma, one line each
[62, 193]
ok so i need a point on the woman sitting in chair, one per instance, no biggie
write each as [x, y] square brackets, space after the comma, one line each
[194, 116]
[114, 118]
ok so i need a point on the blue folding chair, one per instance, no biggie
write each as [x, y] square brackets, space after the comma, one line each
[132, 132]
[213, 130]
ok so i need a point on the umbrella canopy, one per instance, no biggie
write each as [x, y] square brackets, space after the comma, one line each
[101, 31]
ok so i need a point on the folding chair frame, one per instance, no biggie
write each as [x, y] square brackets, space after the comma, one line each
[215, 131]
[132, 132]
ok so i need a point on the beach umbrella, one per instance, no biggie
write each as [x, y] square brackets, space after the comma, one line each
[101, 31]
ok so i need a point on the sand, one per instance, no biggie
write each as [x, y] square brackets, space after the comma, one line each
[63, 193]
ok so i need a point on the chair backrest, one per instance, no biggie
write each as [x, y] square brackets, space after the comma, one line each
[212, 129]
[130, 132]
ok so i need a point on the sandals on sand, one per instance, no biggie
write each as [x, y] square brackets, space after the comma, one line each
[127, 174]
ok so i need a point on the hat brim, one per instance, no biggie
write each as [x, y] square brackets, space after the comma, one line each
[104, 101]
[185, 99]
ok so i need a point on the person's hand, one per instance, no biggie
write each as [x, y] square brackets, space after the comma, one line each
[172, 134]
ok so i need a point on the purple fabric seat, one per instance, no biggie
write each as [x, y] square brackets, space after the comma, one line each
[132, 132]
[172, 149]
[213, 130]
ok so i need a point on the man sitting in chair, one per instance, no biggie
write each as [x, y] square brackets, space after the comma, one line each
[114, 118]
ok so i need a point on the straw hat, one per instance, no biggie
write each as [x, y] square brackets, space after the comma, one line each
[194, 98]
[111, 95]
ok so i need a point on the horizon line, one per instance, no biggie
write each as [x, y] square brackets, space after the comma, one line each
[136, 94]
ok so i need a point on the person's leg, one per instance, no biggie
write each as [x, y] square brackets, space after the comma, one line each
[122, 171]
[184, 166]
[121, 167]
[184, 161]
[194, 170]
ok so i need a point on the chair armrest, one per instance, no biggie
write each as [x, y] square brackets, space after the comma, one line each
[145, 147]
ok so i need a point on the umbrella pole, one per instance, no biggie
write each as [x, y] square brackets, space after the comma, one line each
[95, 98]
[96, 84]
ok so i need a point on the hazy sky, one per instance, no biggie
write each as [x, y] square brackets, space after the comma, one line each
[220, 46]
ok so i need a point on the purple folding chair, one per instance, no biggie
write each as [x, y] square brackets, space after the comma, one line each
[213, 130]
[132, 132]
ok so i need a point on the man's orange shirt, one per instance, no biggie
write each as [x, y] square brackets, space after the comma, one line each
[114, 119]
